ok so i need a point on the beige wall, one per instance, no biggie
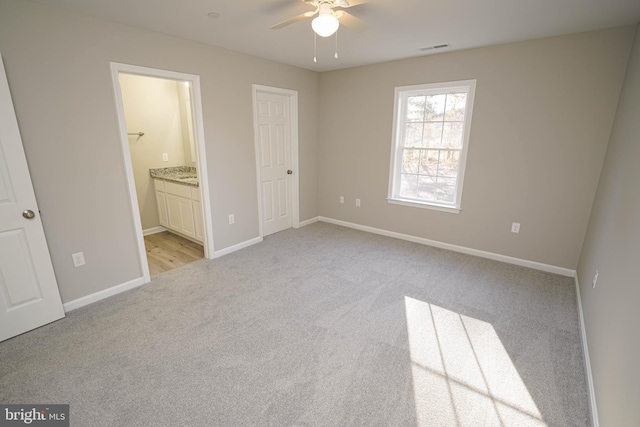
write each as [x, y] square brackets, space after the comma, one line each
[542, 116]
[612, 247]
[151, 105]
[57, 64]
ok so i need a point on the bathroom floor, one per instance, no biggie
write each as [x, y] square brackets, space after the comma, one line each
[167, 251]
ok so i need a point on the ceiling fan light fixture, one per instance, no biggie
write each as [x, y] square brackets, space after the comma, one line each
[325, 24]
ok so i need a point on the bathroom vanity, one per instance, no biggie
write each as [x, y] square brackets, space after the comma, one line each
[179, 203]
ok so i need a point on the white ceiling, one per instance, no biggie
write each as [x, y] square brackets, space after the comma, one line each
[398, 28]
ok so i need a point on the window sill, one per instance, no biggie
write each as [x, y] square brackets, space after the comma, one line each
[424, 205]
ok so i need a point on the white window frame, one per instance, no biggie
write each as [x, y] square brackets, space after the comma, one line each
[399, 115]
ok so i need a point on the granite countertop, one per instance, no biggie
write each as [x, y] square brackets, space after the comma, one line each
[178, 174]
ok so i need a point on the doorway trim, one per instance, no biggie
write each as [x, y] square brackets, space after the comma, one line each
[194, 80]
[293, 123]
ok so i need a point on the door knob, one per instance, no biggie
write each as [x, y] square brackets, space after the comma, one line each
[289, 172]
[29, 214]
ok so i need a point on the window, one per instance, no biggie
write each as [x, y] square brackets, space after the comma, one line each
[431, 135]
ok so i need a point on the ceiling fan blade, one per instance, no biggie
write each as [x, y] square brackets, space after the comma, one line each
[349, 3]
[292, 20]
[351, 22]
[276, 6]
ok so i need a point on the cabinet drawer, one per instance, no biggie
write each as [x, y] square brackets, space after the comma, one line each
[177, 189]
[159, 185]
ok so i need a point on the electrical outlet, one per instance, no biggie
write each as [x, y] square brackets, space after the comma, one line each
[595, 279]
[341, 199]
[165, 157]
[515, 227]
[78, 259]
[232, 219]
[358, 203]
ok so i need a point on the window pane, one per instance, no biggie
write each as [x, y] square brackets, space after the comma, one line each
[446, 190]
[410, 161]
[429, 162]
[452, 135]
[408, 186]
[415, 108]
[456, 104]
[427, 188]
[448, 165]
[431, 137]
[433, 134]
[413, 135]
[435, 108]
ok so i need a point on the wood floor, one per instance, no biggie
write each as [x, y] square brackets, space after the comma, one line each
[166, 251]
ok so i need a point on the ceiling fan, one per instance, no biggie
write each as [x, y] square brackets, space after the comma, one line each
[331, 14]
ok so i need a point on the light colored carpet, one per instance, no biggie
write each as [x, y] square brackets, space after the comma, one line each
[321, 326]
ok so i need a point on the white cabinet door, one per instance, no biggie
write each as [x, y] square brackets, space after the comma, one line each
[173, 210]
[180, 215]
[197, 213]
[197, 219]
[29, 295]
[161, 199]
[186, 211]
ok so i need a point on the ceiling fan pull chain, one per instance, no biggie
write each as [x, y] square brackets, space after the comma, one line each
[315, 59]
[336, 54]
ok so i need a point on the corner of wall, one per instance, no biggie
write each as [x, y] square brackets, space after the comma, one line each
[587, 362]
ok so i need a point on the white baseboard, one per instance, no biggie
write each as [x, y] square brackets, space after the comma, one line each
[114, 290]
[106, 293]
[462, 249]
[587, 362]
[230, 249]
[153, 230]
[308, 222]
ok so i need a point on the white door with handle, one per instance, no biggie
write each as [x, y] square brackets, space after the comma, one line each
[29, 295]
[274, 145]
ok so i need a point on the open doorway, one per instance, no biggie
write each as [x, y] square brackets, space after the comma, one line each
[160, 120]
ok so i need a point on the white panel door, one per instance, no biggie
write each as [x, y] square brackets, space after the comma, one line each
[274, 143]
[29, 295]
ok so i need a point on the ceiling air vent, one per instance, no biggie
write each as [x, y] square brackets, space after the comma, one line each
[436, 46]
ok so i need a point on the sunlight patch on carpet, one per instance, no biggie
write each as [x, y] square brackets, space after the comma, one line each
[462, 374]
